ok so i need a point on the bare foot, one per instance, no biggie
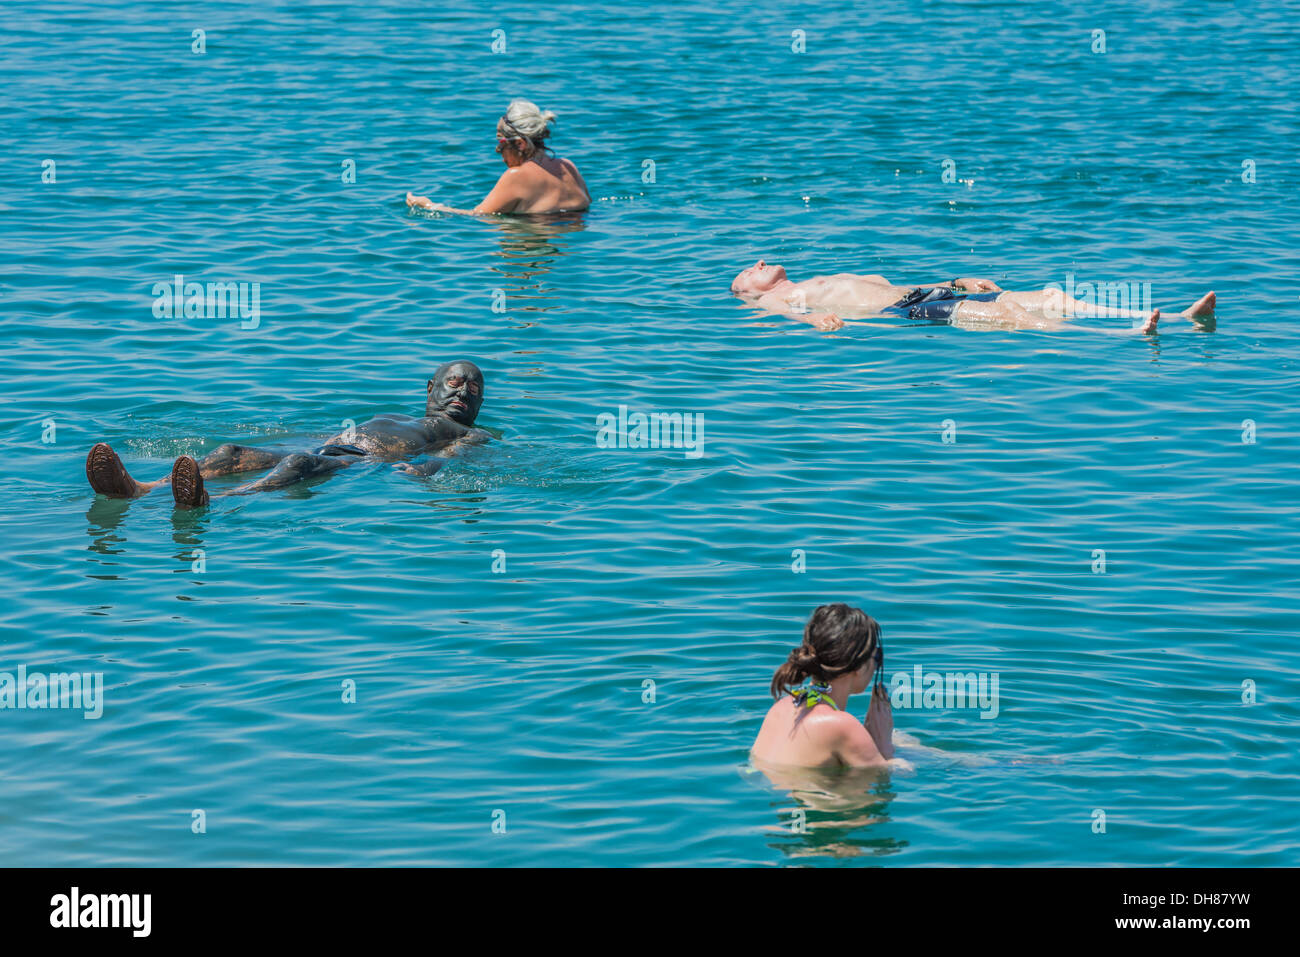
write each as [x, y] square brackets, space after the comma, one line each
[187, 483]
[108, 476]
[1201, 308]
[1150, 325]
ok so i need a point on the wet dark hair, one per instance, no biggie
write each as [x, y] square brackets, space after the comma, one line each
[837, 640]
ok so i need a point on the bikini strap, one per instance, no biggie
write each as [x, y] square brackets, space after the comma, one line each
[814, 695]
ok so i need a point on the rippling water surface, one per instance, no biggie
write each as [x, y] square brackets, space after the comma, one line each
[525, 691]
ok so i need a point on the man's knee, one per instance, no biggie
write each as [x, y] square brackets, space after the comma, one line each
[297, 462]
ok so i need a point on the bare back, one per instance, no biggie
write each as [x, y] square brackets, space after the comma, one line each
[818, 737]
[545, 184]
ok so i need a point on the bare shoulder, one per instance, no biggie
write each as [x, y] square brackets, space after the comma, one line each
[846, 724]
[829, 724]
[569, 168]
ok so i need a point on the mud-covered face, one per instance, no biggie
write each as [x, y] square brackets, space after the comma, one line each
[758, 279]
[456, 391]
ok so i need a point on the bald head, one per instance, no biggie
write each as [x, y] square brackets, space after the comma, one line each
[456, 391]
[757, 279]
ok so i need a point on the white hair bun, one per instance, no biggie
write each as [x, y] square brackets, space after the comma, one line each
[525, 117]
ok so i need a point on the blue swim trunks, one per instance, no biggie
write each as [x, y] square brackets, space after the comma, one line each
[935, 305]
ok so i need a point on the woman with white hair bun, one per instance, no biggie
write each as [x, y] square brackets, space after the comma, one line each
[535, 180]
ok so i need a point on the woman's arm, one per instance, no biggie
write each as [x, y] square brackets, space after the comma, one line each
[578, 176]
[857, 748]
[879, 722]
[503, 198]
[424, 202]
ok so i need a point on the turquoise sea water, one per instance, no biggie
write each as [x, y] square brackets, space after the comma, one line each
[524, 692]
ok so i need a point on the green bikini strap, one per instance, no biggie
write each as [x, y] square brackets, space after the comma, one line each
[814, 695]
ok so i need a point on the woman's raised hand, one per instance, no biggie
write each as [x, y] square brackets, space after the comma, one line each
[880, 721]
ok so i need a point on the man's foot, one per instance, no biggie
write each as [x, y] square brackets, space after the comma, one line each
[1149, 325]
[1200, 309]
[108, 476]
[187, 483]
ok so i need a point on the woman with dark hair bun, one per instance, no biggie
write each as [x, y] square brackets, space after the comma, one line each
[810, 726]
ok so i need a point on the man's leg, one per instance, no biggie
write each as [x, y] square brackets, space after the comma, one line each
[229, 459]
[1004, 310]
[295, 468]
[187, 475]
[1055, 304]
[1007, 308]
[108, 476]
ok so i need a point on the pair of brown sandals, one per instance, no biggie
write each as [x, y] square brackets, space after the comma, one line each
[107, 475]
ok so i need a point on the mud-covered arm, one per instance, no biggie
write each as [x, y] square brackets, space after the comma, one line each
[422, 466]
[429, 463]
[469, 439]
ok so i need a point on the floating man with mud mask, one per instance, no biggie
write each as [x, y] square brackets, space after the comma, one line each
[454, 396]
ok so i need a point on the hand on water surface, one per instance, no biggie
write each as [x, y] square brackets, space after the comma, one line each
[880, 721]
[976, 285]
[826, 322]
[424, 469]
[422, 202]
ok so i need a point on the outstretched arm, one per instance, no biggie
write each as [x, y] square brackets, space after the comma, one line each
[777, 305]
[471, 438]
[503, 199]
[427, 466]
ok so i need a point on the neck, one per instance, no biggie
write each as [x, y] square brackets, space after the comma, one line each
[840, 691]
